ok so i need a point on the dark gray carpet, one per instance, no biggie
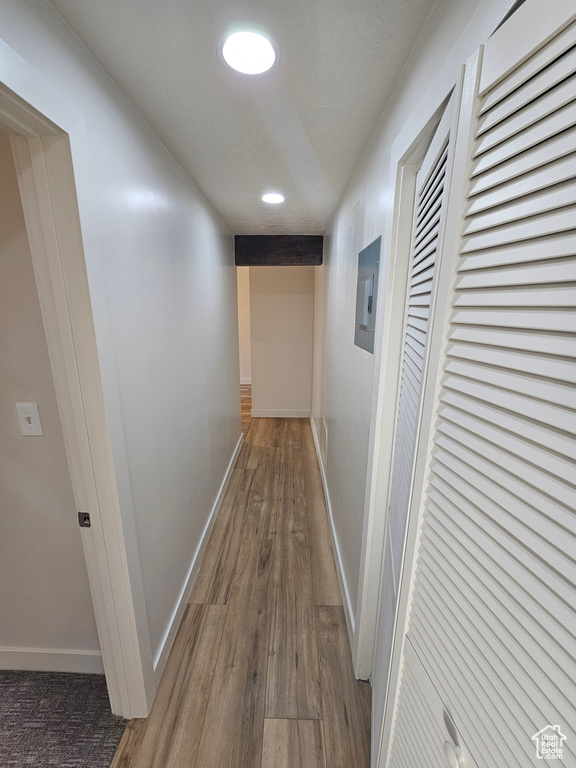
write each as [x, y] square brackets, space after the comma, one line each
[63, 720]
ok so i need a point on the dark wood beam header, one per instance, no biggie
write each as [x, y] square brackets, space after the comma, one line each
[278, 250]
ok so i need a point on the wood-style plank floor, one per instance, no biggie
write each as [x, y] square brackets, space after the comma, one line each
[260, 675]
[246, 406]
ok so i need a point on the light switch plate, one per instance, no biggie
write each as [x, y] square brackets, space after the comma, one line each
[29, 419]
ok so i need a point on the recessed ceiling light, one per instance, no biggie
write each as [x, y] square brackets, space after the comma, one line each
[248, 52]
[273, 198]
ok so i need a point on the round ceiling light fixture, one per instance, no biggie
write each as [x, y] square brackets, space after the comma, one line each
[273, 198]
[248, 52]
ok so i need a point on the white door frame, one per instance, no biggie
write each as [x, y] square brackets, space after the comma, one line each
[44, 169]
[396, 229]
[406, 157]
[431, 384]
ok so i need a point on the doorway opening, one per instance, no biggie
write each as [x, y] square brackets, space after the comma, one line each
[51, 670]
[243, 283]
[48, 621]
[43, 164]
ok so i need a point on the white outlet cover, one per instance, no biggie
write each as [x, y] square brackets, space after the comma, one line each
[29, 419]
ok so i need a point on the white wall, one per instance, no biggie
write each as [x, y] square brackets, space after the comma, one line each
[282, 327]
[243, 277]
[348, 385]
[163, 290]
[45, 602]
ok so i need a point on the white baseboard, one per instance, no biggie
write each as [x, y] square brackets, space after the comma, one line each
[281, 414]
[51, 660]
[245, 381]
[348, 612]
[168, 638]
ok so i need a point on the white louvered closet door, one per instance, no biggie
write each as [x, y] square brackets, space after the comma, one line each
[428, 216]
[493, 613]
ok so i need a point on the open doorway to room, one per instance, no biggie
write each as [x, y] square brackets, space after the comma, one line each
[51, 671]
[276, 330]
[66, 604]
[243, 282]
[47, 614]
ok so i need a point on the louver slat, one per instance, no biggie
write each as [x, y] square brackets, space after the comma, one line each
[559, 97]
[532, 430]
[491, 430]
[526, 152]
[552, 173]
[549, 199]
[521, 252]
[525, 274]
[536, 63]
[539, 133]
[539, 87]
[544, 365]
[493, 613]
[542, 226]
[545, 296]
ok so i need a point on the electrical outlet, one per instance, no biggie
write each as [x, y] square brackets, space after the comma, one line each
[29, 419]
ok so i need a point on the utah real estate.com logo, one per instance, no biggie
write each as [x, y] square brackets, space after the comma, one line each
[549, 743]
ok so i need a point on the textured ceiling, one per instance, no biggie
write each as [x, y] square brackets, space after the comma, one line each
[299, 128]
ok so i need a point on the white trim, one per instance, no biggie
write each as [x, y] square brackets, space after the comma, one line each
[280, 414]
[44, 169]
[20, 118]
[444, 132]
[168, 638]
[380, 450]
[245, 381]
[438, 325]
[407, 153]
[344, 591]
[51, 660]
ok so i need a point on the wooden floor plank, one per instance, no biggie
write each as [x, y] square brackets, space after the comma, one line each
[290, 481]
[276, 433]
[345, 701]
[313, 485]
[260, 517]
[171, 733]
[268, 473]
[127, 752]
[265, 432]
[245, 406]
[214, 581]
[292, 517]
[293, 744]
[324, 576]
[293, 687]
[250, 454]
[308, 448]
[246, 459]
[234, 723]
[267, 584]
[291, 443]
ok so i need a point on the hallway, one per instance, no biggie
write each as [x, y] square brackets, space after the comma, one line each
[260, 673]
[431, 147]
